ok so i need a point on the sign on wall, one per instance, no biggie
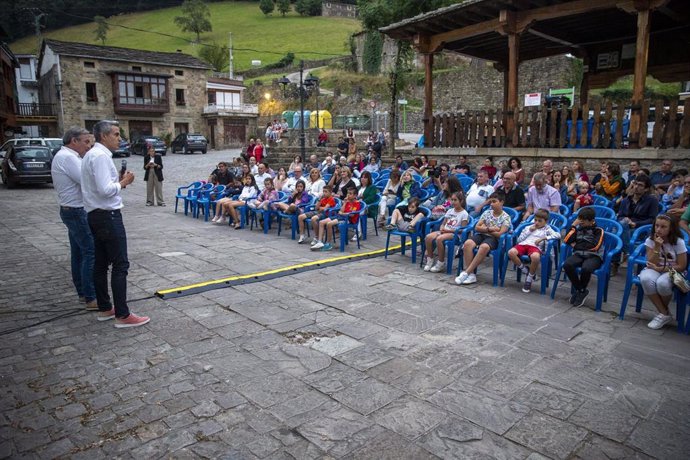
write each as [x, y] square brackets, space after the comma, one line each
[532, 99]
[608, 60]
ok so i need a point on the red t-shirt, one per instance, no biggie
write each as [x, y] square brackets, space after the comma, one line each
[330, 202]
[352, 206]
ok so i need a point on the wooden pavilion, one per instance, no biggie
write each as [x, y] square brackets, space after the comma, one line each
[613, 37]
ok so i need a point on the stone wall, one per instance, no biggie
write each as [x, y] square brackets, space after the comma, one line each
[76, 110]
[340, 10]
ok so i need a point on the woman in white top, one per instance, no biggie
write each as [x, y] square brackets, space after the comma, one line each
[296, 162]
[314, 183]
[389, 195]
[665, 249]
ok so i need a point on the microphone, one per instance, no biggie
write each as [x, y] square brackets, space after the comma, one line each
[123, 168]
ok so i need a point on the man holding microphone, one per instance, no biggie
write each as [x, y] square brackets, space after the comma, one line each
[101, 185]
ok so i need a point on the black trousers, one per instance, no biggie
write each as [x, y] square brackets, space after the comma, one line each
[587, 265]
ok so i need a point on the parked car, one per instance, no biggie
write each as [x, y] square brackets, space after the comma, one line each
[53, 143]
[188, 143]
[139, 146]
[124, 150]
[28, 164]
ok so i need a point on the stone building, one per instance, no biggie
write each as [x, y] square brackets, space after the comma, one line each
[149, 93]
[8, 120]
[339, 10]
[229, 121]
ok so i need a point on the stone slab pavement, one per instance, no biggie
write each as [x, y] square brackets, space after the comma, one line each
[366, 360]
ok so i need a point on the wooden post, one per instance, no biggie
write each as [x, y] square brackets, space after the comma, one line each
[512, 86]
[428, 97]
[584, 89]
[641, 55]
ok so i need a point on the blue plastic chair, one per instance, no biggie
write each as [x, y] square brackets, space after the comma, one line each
[344, 225]
[415, 237]
[192, 198]
[496, 255]
[292, 217]
[459, 237]
[637, 260]
[546, 262]
[203, 203]
[331, 212]
[183, 193]
[612, 246]
[599, 211]
[514, 215]
[610, 225]
[254, 216]
[602, 201]
[465, 181]
[565, 210]
[365, 224]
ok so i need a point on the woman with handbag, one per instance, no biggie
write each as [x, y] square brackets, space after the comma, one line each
[666, 263]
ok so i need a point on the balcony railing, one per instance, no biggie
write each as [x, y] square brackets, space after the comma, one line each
[250, 109]
[142, 105]
[28, 109]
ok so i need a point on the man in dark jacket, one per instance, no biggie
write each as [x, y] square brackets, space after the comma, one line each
[635, 210]
[587, 241]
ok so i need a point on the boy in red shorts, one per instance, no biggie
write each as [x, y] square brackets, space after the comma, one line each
[532, 243]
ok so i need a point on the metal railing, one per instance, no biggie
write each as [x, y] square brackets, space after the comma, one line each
[29, 109]
[232, 108]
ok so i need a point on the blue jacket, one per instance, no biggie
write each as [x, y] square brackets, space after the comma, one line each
[415, 190]
[642, 213]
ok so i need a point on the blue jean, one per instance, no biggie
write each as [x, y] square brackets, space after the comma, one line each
[110, 241]
[81, 250]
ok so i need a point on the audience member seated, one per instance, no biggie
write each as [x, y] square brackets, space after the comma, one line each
[515, 197]
[583, 197]
[351, 204]
[559, 184]
[568, 179]
[389, 195]
[462, 164]
[313, 163]
[406, 217]
[323, 139]
[516, 168]
[579, 172]
[665, 250]
[261, 176]
[489, 168]
[441, 203]
[402, 165]
[327, 201]
[298, 197]
[328, 167]
[675, 190]
[253, 166]
[541, 196]
[342, 182]
[372, 166]
[264, 198]
[611, 184]
[682, 203]
[639, 208]
[314, 183]
[437, 179]
[531, 242]
[587, 241]
[603, 170]
[629, 175]
[290, 183]
[662, 179]
[408, 188]
[455, 218]
[343, 146]
[546, 171]
[297, 161]
[280, 180]
[221, 175]
[249, 151]
[478, 194]
[357, 165]
[249, 192]
[492, 224]
[368, 193]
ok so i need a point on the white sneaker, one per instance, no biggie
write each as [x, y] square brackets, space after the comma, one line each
[317, 246]
[354, 238]
[438, 267]
[215, 219]
[460, 279]
[429, 263]
[314, 241]
[471, 279]
[659, 321]
[302, 239]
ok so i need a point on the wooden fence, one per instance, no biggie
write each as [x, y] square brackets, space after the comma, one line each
[553, 128]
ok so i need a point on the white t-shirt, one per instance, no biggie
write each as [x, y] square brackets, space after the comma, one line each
[454, 219]
[670, 250]
[478, 194]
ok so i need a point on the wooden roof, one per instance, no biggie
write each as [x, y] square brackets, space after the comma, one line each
[585, 28]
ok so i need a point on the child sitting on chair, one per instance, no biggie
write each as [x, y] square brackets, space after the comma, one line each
[532, 243]
[299, 197]
[492, 224]
[455, 218]
[327, 201]
[350, 205]
[583, 197]
[405, 217]
[269, 194]
[587, 241]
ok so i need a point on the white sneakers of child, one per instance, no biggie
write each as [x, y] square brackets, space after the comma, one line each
[466, 278]
[429, 263]
[438, 267]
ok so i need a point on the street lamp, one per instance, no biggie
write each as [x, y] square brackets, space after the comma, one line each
[302, 147]
[313, 82]
[284, 82]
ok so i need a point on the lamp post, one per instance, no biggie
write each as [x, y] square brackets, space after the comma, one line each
[313, 82]
[284, 82]
[302, 147]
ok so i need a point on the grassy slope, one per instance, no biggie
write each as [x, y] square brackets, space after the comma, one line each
[249, 27]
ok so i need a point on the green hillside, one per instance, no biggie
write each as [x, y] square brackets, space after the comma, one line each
[255, 36]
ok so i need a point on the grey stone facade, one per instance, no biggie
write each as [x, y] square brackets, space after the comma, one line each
[340, 10]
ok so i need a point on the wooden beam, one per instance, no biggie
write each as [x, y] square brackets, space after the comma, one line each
[524, 18]
[551, 38]
[436, 41]
[428, 97]
[641, 56]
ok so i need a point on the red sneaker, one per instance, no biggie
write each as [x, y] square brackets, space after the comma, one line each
[106, 315]
[131, 321]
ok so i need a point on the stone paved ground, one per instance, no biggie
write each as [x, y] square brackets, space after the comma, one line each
[373, 359]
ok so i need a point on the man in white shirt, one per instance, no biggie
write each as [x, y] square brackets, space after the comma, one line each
[101, 185]
[261, 176]
[289, 186]
[478, 194]
[66, 172]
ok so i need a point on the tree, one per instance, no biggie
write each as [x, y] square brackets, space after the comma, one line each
[102, 29]
[283, 7]
[218, 56]
[196, 17]
[378, 13]
[267, 6]
[308, 7]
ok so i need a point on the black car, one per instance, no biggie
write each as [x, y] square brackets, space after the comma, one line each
[188, 143]
[26, 165]
[139, 146]
[123, 150]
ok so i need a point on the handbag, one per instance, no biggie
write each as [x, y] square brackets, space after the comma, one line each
[679, 281]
